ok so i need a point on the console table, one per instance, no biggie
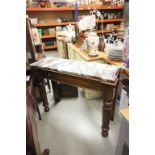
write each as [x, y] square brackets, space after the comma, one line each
[57, 71]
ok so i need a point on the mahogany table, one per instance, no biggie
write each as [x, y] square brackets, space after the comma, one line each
[108, 87]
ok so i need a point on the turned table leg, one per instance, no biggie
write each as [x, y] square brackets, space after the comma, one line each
[56, 91]
[107, 109]
[43, 96]
[106, 114]
[39, 82]
[114, 100]
[113, 105]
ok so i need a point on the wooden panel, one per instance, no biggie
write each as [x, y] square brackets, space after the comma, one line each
[109, 20]
[101, 7]
[103, 31]
[54, 24]
[48, 36]
[49, 47]
[48, 9]
[76, 80]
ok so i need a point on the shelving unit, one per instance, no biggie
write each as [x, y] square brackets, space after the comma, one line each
[94, 7]
[52, 13]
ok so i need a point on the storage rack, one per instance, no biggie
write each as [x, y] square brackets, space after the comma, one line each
[32, 11]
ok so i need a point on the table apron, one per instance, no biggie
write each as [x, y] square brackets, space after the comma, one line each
[75, 80]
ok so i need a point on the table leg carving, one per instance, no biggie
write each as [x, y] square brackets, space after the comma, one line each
[106, 113]
[43, 96]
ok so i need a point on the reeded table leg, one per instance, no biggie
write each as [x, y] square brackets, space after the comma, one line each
[107, 109]
[114, 100]
[106, 114]
[39, 82]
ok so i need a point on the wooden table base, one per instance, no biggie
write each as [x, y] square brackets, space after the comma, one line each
[79, 81]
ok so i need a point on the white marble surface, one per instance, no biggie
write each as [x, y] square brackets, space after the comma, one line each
[91, 69]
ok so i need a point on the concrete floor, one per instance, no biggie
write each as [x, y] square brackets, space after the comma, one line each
[73, 126]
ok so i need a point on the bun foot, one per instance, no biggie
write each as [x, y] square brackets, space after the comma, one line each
[46, 109]
[105, 134]
[46, 152]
